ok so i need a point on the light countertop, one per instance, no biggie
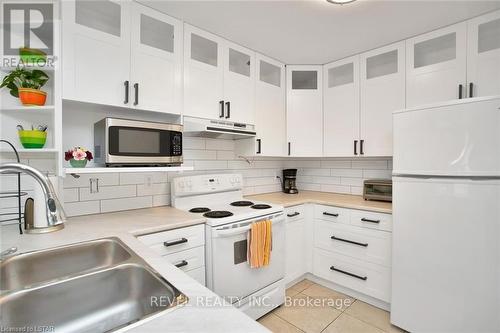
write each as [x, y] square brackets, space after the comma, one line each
[324, 198]
[205, 311]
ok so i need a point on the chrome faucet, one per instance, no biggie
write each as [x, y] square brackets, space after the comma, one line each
[54, 211]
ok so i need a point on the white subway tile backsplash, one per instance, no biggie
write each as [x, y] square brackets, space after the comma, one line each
[369, 164]
[113, 205]
[108, 192]
[82, 208]
[71, 195]
[219, 144]
[141, 190]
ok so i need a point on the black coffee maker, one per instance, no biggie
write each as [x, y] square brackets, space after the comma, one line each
[290, 181]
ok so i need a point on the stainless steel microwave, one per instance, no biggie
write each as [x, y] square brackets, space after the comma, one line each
[124, 142]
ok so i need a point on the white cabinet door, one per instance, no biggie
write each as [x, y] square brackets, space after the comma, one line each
[239, 84]
[483, 55]
[295, 249]
[436, 66]
[270, 107]
[341, 107]
[304, 110]
[156, 65]
[382, 92]
[96, 47]
[203, 74]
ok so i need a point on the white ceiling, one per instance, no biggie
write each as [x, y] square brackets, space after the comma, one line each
[317, 32]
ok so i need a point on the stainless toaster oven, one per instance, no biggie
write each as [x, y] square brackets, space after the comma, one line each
[378, 189]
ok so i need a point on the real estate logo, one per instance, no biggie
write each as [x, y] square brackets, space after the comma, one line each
[28, 25]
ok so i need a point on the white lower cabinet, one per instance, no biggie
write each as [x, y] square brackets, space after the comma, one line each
[183, 247]
[353, 248]
[359, 275]
[295, 243]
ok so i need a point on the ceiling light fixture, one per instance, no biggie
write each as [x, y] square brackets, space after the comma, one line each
[340, 2]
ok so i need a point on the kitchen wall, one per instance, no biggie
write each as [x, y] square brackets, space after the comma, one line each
[122, 191]
[134, 190]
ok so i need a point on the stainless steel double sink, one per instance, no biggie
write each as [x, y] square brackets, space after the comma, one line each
[94, 286]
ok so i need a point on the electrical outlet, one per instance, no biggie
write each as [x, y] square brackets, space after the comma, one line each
[148, 181]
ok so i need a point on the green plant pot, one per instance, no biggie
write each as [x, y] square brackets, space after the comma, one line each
[78, 164]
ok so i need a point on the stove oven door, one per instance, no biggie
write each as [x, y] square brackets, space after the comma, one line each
[232, 276]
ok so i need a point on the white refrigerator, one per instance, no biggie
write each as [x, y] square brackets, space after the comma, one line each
[446, 212]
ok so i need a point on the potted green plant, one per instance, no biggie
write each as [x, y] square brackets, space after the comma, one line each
[25, 84]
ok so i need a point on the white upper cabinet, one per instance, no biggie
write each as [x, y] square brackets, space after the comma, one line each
[156, 66]
[121, 53]
[203, 74]
[341, 107]
[96, 51]
[483, 55]
[304, 110]
[239, 84]
[219, 78]
[270, 107]
[382, 92]
[436, 66]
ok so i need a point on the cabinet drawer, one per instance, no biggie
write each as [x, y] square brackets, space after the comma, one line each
[367, 278]
[330, 213]
[295, 213]
[371, 220]
[364, 244]
[188, 259]
[176, 240]
[198, 274]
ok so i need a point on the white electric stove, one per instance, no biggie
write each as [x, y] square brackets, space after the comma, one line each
[219, 198]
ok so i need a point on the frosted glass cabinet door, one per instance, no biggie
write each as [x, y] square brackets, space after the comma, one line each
[436, 66]
[382, 93]
[156, 61]
[304, 110]
[239, 84]
[270, 113]
[203, 74]
[483, 55]
[341, 107]
[96, 47]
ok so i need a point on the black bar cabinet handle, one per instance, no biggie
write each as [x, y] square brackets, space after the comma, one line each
[460, 88]
[228, 107]
[371, 221]
[364, 278]
[181, 264]
[330, 214]
[289, 149]
[221, 114]
[126, 84]
[471, 89]
[355, 147]
[176, 242]
[136, 87]
[259, 146]
[349, 241]
[361, 143]
[293, 214]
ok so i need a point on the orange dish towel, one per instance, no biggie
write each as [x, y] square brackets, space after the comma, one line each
[259, 244]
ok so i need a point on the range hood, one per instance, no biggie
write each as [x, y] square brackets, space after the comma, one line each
[217, 129]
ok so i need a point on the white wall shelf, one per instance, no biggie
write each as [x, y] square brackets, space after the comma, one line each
[77, 171]
[29, 109]
[29, 151]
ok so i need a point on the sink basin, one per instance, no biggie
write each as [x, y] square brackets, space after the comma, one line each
[35, 267]
[95, 302]
[94, 286]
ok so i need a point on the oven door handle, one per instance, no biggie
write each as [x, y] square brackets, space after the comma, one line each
[240, 230]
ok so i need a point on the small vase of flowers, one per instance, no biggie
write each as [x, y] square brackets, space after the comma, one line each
[78, 157]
